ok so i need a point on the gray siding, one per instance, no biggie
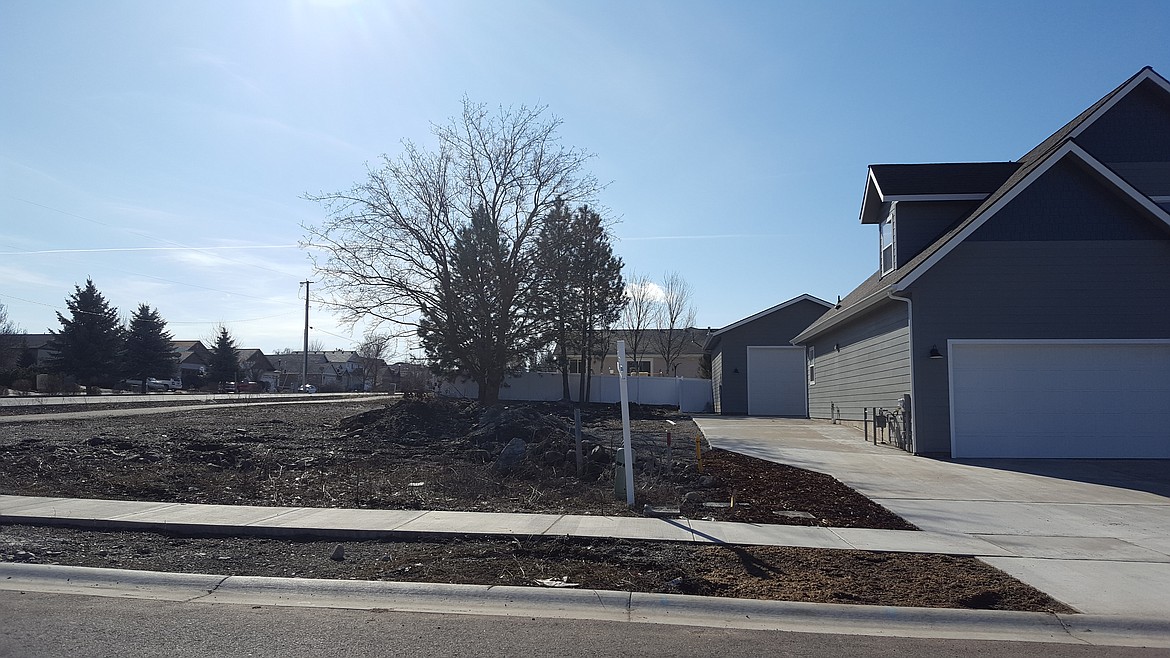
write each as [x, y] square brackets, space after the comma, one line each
[863, 364]
[717, 381]
[1069, 202]
[775, 329]
[1136, 129]
[1073, 290]
[917, 224]
[1150, 178]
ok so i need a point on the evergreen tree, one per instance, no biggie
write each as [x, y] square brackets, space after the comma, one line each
[600, 286]
[580, 287]
[28, 356]
[395, 243]
[224, 358]
[481, 321]
[148, 346]
[91, 341]
[555, 253]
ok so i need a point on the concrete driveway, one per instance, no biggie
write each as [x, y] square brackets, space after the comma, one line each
[1094, 534]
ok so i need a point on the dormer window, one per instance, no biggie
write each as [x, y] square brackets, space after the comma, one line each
[886, 231]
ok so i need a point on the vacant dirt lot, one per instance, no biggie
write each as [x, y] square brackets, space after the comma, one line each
[415, 454]
[448, 455]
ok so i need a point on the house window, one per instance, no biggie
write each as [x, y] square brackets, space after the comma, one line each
[812, 365]
[635, 367]
[575, 366]
[886, 231]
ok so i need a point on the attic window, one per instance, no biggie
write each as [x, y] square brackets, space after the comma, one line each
[886, 233]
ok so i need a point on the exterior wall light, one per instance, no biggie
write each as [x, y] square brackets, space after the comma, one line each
[934, 353]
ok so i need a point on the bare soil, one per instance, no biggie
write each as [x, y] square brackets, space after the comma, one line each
[415, 454]
[773, 573]
[450, 455]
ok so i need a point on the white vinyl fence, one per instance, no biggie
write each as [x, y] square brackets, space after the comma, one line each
[689, 395]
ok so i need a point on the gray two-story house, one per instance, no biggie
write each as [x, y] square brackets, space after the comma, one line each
[1021, 309]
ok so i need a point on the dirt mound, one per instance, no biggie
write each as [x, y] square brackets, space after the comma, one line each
[413, 418]
[518, 437]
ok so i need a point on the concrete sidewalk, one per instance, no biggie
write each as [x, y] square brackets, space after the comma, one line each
[377, 524]
[179, 405]
[1150, 629]
[1093, 534]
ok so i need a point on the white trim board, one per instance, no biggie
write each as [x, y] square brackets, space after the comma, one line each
[936, 197]
[1068, 149]
[1142, 76]
[773, 309]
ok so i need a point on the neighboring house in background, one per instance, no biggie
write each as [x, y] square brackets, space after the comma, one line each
[256, 367]
[411, 377]
[755, 369]
[337, 370]
[651, 363]
[193, 360]
[38, 343]
[1023, 307]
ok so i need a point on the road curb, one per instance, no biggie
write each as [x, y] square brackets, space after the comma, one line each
[599, 605]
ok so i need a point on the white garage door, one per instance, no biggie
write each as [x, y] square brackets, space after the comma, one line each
[776, 381]
[1060, 399]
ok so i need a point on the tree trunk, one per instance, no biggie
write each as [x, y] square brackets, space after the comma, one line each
[566, 396]
[489, 390]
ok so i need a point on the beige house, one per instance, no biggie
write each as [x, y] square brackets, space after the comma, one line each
[650, 360]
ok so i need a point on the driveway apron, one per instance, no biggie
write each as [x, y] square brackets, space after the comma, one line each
[1094, 534]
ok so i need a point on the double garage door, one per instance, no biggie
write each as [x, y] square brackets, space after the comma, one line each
[1060, 399]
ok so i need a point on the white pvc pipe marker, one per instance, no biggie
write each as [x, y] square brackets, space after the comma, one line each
[625, 390]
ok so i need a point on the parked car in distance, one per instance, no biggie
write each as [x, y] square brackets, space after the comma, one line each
[250, 387]
[307, 388]
[227, 387]
[153, 384]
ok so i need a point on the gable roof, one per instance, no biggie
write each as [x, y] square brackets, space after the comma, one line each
[1034, 164]
[256, 357]
[1085, 119]
[33, 341]
[340, 356]
[946, 181]
[713, 337]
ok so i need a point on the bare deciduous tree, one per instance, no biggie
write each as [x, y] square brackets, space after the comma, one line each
[638, 314]
[388, 247]
[10, 340]
[674, 318]
[372, 351]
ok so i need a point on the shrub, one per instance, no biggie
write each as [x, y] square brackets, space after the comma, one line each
[24, 385]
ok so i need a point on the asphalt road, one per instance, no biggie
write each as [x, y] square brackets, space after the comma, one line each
[60, 625]
[159, 398]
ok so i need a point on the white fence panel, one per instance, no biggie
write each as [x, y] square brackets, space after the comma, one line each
[689, 395]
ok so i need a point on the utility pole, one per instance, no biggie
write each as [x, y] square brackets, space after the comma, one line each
[305, 354]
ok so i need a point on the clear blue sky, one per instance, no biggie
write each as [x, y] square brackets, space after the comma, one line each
[162, 148]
